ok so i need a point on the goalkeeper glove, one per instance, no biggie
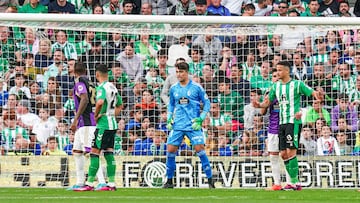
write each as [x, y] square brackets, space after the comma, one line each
[169, 124]
[197, 123]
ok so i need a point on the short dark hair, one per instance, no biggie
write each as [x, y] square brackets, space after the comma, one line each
[182, 66]
[80, 68]
[285, 63]
[102, 68]
[116, 64]
[256, 91]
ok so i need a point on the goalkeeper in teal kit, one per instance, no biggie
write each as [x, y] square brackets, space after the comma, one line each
[185, 118]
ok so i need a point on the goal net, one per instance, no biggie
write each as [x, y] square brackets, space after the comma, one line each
[233, 58]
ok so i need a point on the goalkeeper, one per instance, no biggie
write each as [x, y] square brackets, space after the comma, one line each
[184, 118]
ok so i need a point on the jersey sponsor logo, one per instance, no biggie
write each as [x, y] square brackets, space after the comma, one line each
[155, 174]
[80, 88]
[183, 100]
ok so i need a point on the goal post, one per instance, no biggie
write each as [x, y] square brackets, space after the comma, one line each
[38, 48]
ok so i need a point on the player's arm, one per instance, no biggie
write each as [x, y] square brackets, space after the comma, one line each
[100, 98]
[84, 100]
[170, 110]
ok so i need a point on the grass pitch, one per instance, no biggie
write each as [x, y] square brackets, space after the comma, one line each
[193, 195]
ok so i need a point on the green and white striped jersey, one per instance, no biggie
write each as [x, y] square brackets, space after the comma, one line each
[289, 96]
[8, 137]
[68, 48]
[344, 85]
[107, 91]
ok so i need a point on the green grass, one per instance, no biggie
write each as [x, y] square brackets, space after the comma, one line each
[193, 195]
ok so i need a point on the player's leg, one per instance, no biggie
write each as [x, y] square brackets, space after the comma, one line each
[197, 139]
[88, 138]
[273, 149]
[79, 158]
[107, 146]
[174, 140]
[94, 162]
[289, 155]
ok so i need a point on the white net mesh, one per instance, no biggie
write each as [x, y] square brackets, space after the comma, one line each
[233, 62]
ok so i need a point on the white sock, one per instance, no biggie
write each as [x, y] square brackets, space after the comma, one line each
[275, 168]
[79, 165]
[100, 175]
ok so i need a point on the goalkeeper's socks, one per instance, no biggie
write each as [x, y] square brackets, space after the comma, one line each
[205, 163]
[170, 164]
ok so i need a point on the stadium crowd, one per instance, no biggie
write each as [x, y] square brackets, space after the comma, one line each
[37, 77]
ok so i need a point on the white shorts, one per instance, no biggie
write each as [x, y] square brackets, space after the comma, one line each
[273, 142]
[83, 137]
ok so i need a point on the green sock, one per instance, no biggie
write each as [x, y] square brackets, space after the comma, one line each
[93, 168]
[111, 166]
[293, 169]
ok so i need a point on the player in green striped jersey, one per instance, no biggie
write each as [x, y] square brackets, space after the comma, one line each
[288, 92]
[108, 106]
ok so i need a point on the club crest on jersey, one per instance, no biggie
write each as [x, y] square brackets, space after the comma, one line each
[80, 88]
[183, 100]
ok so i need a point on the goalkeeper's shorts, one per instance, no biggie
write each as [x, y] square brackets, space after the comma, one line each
[176, 137]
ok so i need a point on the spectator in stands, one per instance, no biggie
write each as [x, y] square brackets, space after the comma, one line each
[113, 7]
[249, 10]
[11, 102]
[98, 9]
[147, 50]
[333, 41]
[132, 95]
[29, 45]
[239, 84]
[43, 58]
[4, 64]
[219, 121]
[4, 5]
[283, 8]
[226, 60]
[307, 144]
[215, 8]
[313, 10]
[318, 80]
[25, 117]
[327, 144]
[158, 147]
[344, 108]
[262, 8]
[241, 46]
[86, 44]
[54, 69]
[94, 56]
[119, 77]
[33, 6]
[298, 5]
[354, 94]
[11, 133]
[63, 44]
[7, 44]
[52, 147]
[34, 145]
[329, 8]
[231, 102]
[61, 6]
[344, 148]
[43, 129]
[248, 144]
[200, 8]
[62, 133]
[197, 63]
[155, 83]
[128, 7]
[22, 91]
[224, 148]
[159, 7]
[300, 70]
[54, 91]
[250, 111]
[211, 45]
[250, 68]
[321, 54]
[148, 105]
[183, 7]
[262, 81]
[317, 111]
[32, 71]
[87, 7]
[208, 81]
[235, 7]
[114, 46]
[65, 81]
[4, 94]
[344, 82]
[131, 63]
